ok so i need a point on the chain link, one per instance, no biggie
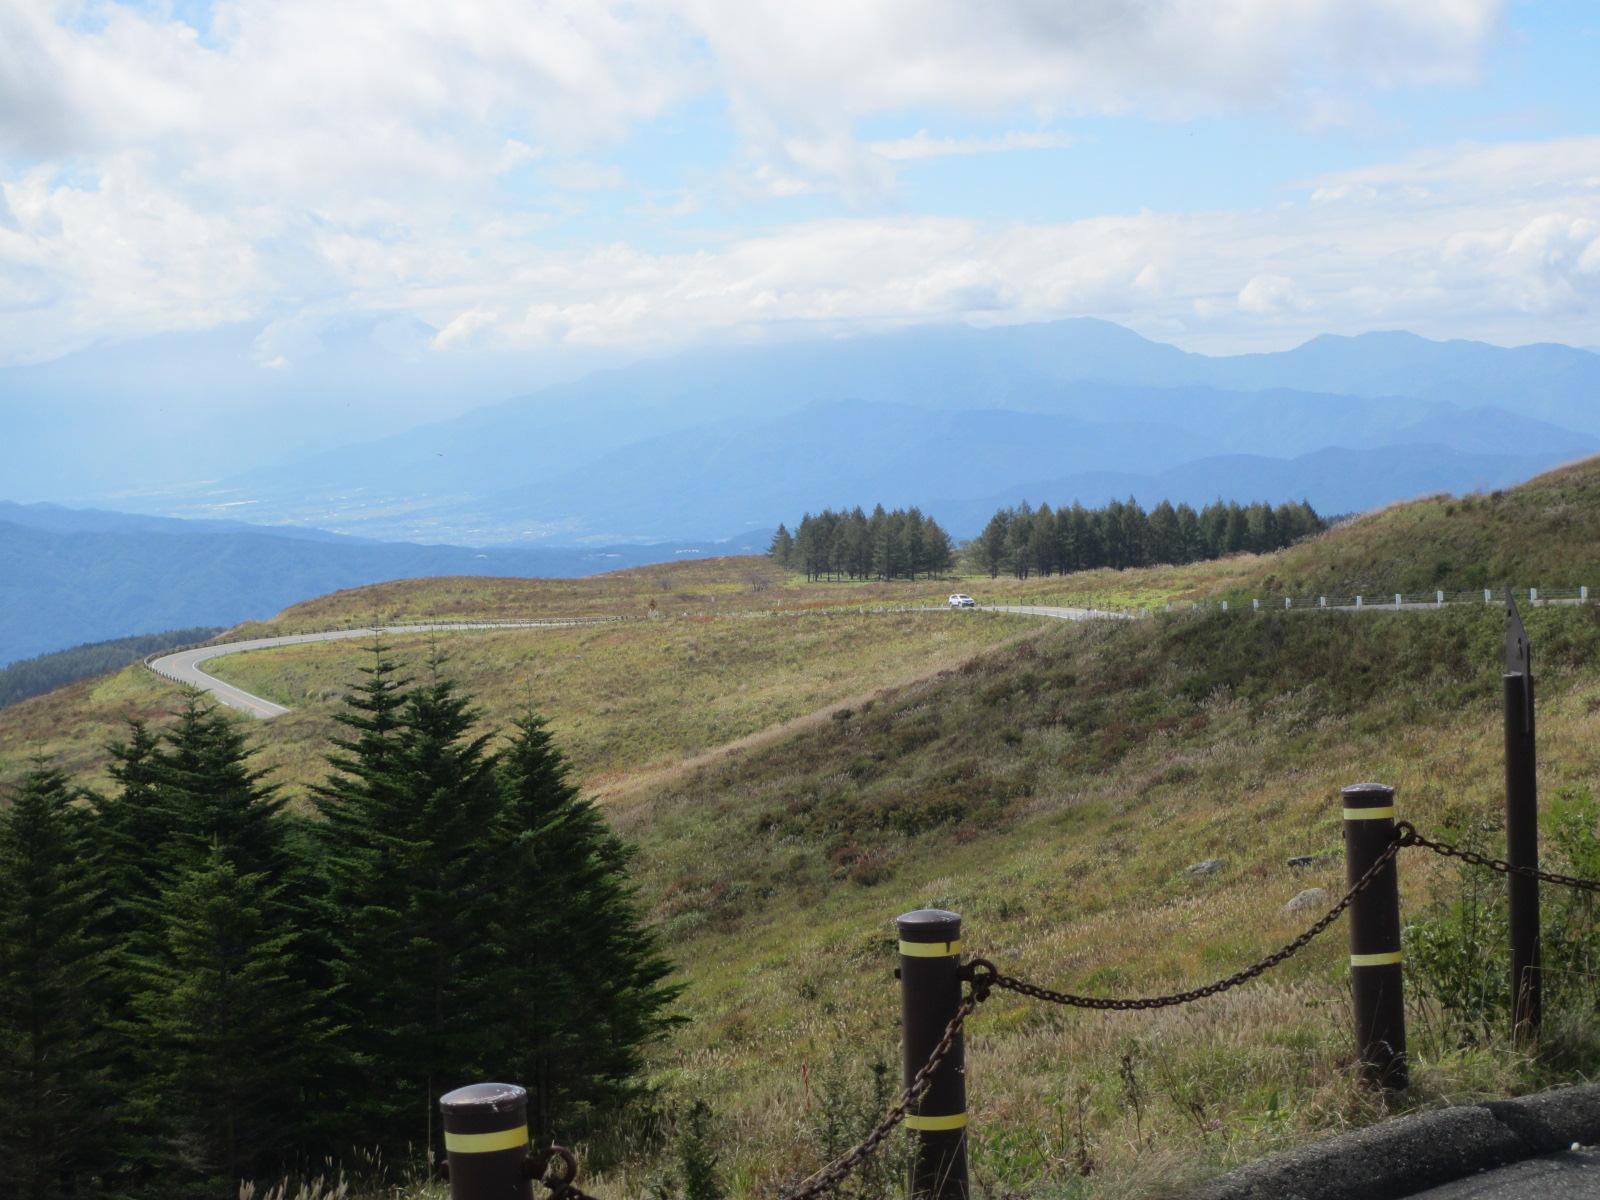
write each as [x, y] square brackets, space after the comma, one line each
[837, 1171]
[1472, 858]
[1138, 1003]
[984, 976]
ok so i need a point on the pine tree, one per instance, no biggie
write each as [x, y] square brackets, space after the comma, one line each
[202, 778]
[231, 1032]
[782, 546]
[408, 889]
[581, 989]
[54, 1133]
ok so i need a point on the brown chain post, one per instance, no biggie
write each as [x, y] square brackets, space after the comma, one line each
[930, 994]
[1522, 828]
[1375, 983]
[486, 1142]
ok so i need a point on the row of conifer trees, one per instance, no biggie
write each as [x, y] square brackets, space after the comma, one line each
[1028, 541]
[199, 985]
[902, 544]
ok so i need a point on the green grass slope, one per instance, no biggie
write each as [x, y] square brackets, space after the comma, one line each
[1545, 533]
[1053, 793]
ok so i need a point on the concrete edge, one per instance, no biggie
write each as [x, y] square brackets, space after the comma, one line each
[1400, 1157]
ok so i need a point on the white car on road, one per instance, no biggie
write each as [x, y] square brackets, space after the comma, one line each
[962, 600]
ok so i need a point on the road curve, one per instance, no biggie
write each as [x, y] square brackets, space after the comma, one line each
[183, 666]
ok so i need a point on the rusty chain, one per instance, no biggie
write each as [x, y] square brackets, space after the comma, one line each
[837, 1171]
[563, 1186]
[986, 975]
[1472, 858]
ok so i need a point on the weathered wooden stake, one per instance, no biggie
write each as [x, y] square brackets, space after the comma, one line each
[1375, 983]
[1522, 828]
[930, 993]
[486, 1142]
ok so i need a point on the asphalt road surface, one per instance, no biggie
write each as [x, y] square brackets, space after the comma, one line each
[1574, 1175]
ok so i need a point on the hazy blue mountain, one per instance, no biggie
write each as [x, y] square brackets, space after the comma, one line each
[57, 518]
[731, 437]
[178, 408]
[60, 589]
[1335, 480]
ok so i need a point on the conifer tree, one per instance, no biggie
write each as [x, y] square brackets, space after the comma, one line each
[133, 830]
[202, 778]
[54, 1135]
[409, 876]
[581, 990]
[231, 1032]
[782, 546]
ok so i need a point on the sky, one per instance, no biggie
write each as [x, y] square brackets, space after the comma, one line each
[516, 177]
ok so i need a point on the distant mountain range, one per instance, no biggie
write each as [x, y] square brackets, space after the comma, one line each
[946, 418]
[69, 576]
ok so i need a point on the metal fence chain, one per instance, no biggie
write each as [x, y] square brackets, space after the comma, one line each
[987, 975]
[1472, 858]
[563, 1185]
[839, 1170]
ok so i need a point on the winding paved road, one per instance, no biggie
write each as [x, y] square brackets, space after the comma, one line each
[183, 666]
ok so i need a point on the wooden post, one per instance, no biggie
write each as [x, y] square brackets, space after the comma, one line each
[1522, 828]
[930, 993]
[1375, 981]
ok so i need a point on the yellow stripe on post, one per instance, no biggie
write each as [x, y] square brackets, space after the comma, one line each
[1368, 814]
[936, 1124]
[930, 949]
[1386, 959]
[486, 1143]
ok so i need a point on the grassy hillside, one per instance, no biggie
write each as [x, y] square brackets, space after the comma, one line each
[1545, 533]
[631, 697]
[793, 782]
[725, 585]
[1053, 794]
[613, 693]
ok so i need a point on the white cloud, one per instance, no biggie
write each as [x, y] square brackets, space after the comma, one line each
[585, 176]
[367, 156]
[922, 144]
[1269, 295]
[128, 257]
[811, 71]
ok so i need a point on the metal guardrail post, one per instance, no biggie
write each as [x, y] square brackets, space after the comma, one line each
[486, 1142]
[1522, 827]
[1358, 601]
[1375, 977]
[930, 993]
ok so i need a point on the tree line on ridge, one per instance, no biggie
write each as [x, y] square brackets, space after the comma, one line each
[1026, 541]
[902, 544]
